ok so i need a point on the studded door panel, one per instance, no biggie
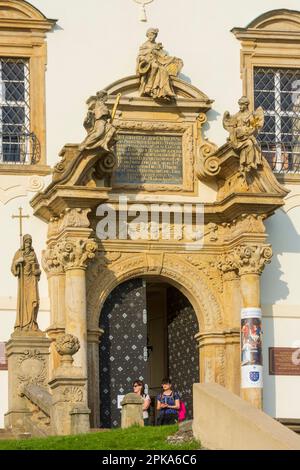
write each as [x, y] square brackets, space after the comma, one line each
[123, 347]
[183, 355]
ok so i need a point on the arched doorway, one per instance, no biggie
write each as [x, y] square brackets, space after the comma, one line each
[149, 328]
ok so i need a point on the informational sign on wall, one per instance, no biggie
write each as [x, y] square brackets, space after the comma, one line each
[251, 348]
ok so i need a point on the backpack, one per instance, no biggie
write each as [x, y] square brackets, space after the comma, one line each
[182, 411]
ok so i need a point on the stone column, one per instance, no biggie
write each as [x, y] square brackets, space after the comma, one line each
[94, 338]
[74, 255]
[251, 260]
[212, 357]
[232, 309]
[56, 286]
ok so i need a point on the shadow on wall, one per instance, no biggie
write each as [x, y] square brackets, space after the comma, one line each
[285, 239]
[284, 236]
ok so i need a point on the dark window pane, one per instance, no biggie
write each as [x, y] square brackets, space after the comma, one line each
[286, 126]
[13, 70]
[13, 115]
[14, 91]
[264, 80]
[289, 80]
[265, 99]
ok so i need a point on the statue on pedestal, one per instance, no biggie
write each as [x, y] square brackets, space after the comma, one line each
[25, 266]
[243, 128]
[155, 68]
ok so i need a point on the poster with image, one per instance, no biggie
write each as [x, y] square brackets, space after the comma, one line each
[251, 348]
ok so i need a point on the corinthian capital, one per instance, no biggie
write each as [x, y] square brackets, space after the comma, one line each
[251, 259]
[50, 262]
[76, 253]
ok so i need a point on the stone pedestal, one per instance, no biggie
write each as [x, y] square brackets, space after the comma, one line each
[28, 363]
[69, 414]
[132, 410]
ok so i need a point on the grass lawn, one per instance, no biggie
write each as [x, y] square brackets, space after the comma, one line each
[135, 438]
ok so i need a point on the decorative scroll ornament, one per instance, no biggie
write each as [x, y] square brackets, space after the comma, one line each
[143, 3]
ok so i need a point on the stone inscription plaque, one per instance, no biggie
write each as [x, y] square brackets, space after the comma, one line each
[284, 361]
[149, 159]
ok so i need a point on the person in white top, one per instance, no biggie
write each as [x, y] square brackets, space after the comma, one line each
[139, 388]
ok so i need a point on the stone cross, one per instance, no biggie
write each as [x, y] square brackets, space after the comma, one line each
[143, 16]
[20, 216]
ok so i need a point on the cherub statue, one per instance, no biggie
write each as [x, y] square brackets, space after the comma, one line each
[98, 124]
[155, 68]
[243, 128]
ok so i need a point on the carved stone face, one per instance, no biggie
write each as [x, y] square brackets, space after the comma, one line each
[27, 244]
[152, 36]
[243, 107]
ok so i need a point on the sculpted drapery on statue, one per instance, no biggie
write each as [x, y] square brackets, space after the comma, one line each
[155, 68]
[100, 131]
[243, 127]
[25, 266]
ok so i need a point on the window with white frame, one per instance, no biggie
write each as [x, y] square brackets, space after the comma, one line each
[277, 91]
[17, 144]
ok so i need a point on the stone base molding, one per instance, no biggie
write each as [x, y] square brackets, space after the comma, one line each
[28, 364]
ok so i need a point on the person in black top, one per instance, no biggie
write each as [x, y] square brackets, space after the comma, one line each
[168, 404]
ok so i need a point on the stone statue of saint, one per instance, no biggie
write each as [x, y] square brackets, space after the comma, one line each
[155, 68]
[243, 128]
[100, 131]
[25, 266]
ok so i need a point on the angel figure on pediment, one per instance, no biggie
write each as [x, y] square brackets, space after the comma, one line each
[243, 128]
[100, 131]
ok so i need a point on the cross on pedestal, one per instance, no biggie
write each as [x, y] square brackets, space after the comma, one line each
[20, 216]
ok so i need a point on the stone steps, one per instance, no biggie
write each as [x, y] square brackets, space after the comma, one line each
[292, 424]
[7, 434]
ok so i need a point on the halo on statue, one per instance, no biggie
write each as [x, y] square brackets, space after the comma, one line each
[143, 3]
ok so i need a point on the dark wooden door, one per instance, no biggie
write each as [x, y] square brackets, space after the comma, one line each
[183, 355]
[123, 347]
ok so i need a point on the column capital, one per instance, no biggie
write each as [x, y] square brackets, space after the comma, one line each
[245, 259]
[75, 253]
[50, 262]
[251, 259]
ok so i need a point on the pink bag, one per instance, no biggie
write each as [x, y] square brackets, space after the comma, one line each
[182, 411]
